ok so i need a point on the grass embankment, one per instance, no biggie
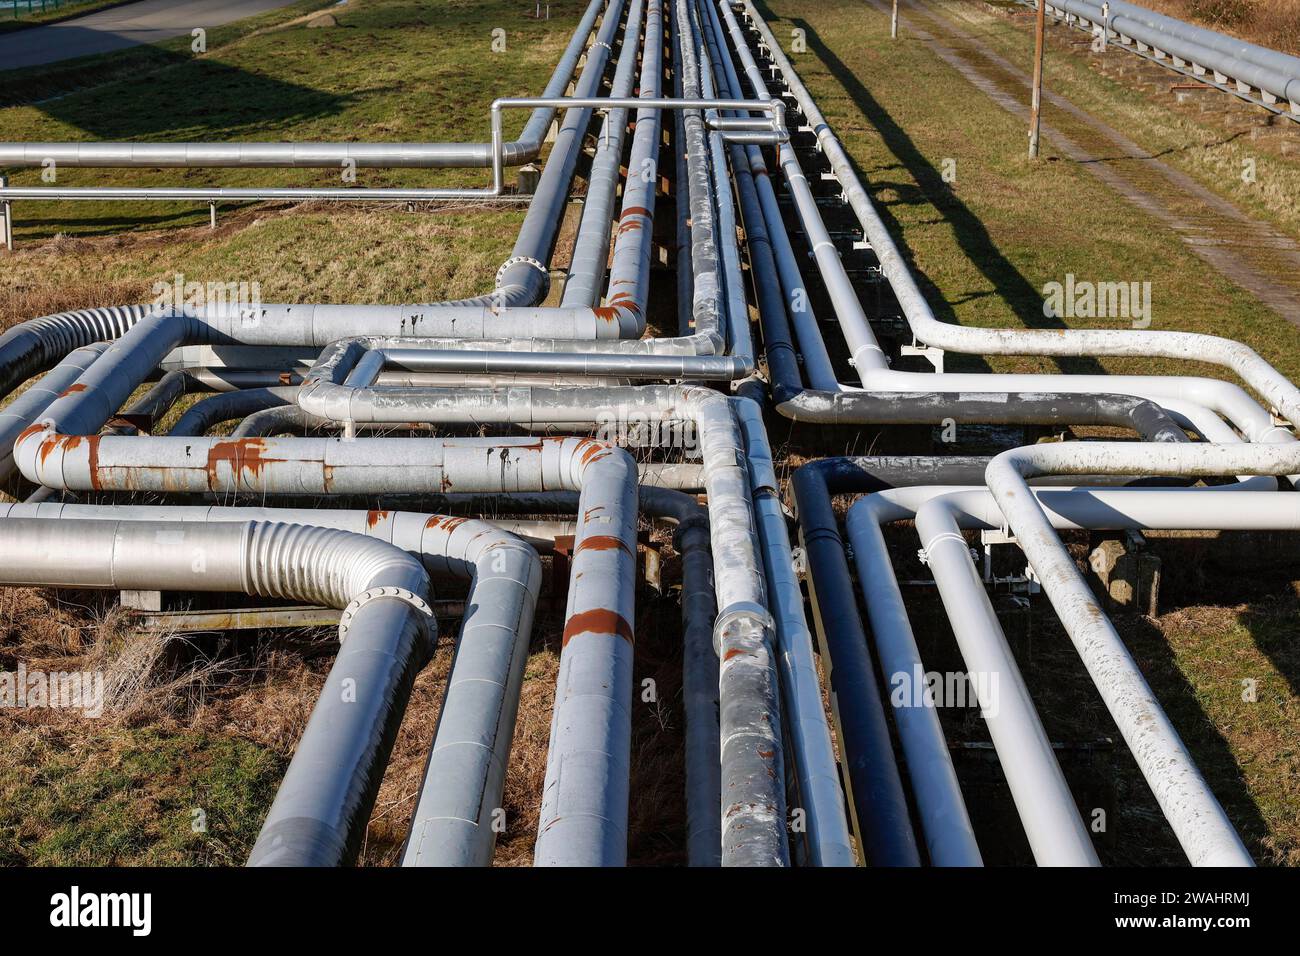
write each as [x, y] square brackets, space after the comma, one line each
[983, 247]
[391, 71]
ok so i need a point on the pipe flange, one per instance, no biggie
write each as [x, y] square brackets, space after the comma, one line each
[375, 594]
[525, 261]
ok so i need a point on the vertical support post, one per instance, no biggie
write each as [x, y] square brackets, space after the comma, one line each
[6, 219]
[1036, 102]
[893, 22]
[212, 215]
[1105, 25]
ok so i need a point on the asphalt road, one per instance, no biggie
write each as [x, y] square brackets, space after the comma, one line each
[149, 21]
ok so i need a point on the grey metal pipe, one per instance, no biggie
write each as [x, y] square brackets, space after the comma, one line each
[319, 155]
[224, 406]
[1196, 816]
[816, 769]
[1052, 823]
[1272, 72]
[22, 411]
[1030, 763]
[591, 247]
[320, 810]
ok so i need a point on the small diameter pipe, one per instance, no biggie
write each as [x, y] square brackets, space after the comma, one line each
[1196, 816]
[323, 155]
[1244, 361]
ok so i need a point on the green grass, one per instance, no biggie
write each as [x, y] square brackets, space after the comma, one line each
[391, 71]
[100, 795]
[1197, 145]
[983, 247]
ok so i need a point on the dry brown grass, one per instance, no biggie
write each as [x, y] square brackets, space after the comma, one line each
[1270, 23]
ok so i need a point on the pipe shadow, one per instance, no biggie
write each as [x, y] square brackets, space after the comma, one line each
[200, 99]
[1019, 295]
[1208, 746]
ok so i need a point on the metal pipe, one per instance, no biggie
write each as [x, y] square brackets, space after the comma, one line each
[867, 356]
[591, 247]
[1197, 819]
[1273, 73]
[525, 149]
[320, 810]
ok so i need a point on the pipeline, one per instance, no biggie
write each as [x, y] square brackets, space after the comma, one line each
[311, 390]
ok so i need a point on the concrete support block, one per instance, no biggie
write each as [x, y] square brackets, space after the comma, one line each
[142, 600]
[1126, 577]
[529, 176]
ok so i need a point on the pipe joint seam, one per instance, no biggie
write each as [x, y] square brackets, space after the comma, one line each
[389, 593]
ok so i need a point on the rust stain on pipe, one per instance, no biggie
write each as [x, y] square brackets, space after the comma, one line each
[597, 621]
[243, 456]
[602, 542]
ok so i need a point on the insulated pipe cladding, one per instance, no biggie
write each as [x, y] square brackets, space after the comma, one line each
[556, 423]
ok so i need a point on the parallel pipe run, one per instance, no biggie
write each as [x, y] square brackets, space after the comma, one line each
[750, 680]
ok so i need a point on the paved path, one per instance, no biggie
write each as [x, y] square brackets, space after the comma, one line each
[149, 21]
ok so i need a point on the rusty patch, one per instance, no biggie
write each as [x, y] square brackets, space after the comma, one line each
[597, 621]
[445, 522]
[592, 449]
[602, 542]
[72, 390]
[29, 431]
[92, 455]
[734, 652]
[243, 455]
[374, 517]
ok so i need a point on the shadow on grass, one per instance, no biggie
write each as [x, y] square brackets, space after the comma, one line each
[200, 98]
[1021, 297]
[1208, 747]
